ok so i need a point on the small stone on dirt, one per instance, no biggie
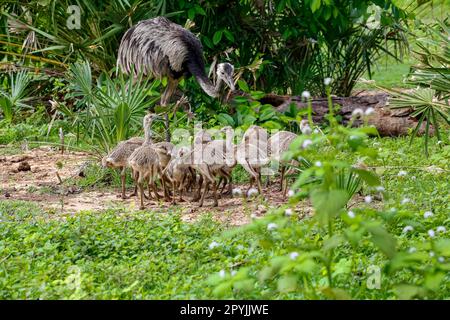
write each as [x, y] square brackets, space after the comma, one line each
[24, 166]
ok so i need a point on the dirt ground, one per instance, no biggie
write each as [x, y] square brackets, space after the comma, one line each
[33, 176]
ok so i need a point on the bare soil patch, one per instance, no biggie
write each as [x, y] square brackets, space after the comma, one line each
[40, 183]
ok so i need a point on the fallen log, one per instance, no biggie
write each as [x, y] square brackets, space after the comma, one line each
[389, 122]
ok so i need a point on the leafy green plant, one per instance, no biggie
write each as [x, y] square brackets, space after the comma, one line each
[18, 95]
[111, 110]
[430, 101]
[322, 255]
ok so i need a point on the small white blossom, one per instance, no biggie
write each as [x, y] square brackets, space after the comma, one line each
[431, 233]
[318, 164]
[253, 216]
[413, 178]
[393, 210]
[272, 226]
[237, 192]
[288, 212]
[407, 229]
[293, 255]
[306, 130]
[402, 173]
[441, 229]
[412, 250]
[214, 244]
[369, 111]
[222, 273]
[441, 259]
[405, 200]
[351, 214]
[306, 143]
[367, 199]
[439, 142]
[327, 81]
[316, 131]
[427, 214]
[233, 273]
[358, 112]
[306, 94]
[291, 193]
[380, 188]
[252, 192]
[431, 253]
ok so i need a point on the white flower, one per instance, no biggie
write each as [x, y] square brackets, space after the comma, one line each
[316, 131]
[380, 189]
[327, 81]
[272, 226]
[222, 273]
[306, 130]
[288, 212]
[413, 178]
[407, 229]
[441, 229]
[427, 214]
[405, 200]
[412, 250]
[367, 199]
[402, 173]
[393, 210]
[431, 253]
[351, 214]
[306, 94]
[369, 111]
[431, 233]
[237, 191]
[441, 259]
[306, 143]
[252, 192]
[253, 216]
[439, 142]
[358, 112]
[291, 193]
[318, 164]
[214, 244]
[293, 255]
[233, 273]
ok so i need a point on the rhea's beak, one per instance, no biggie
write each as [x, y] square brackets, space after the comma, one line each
[229, 82]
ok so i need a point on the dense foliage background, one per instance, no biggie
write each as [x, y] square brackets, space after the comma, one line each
[374, 211]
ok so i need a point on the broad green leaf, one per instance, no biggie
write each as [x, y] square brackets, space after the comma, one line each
[217, 37]
[315, 5]
[287, 283]
[369, 177]
[329, 203]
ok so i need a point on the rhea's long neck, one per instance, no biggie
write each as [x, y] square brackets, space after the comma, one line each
[148, 134]
[206, 84]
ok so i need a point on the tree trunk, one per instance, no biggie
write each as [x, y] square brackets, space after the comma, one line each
[389, 122]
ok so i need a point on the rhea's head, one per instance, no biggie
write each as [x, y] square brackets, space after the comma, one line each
[149, 118]
[225, 73]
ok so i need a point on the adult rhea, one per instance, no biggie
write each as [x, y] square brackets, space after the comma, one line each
[160, 48]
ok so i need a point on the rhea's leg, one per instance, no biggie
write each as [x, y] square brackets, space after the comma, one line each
[214, 187]
[282, 177]
[204, 193]
[199, 189]
[171, 86]
[122, 177]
